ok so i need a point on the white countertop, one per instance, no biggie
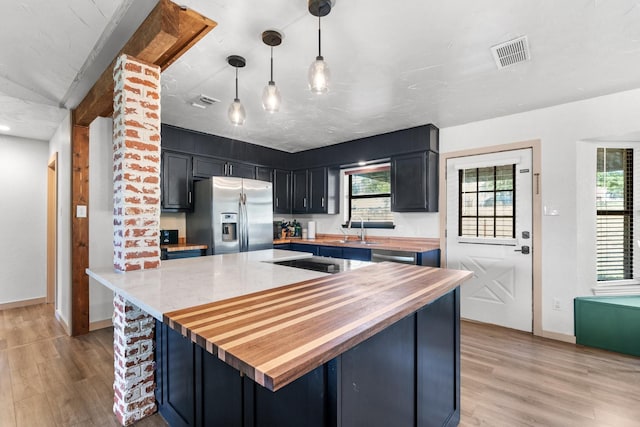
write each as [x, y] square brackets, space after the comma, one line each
[184, 283]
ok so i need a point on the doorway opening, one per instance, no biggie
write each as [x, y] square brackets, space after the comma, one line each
[52, 231]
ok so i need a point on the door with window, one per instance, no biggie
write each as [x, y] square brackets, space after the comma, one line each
[489, 232]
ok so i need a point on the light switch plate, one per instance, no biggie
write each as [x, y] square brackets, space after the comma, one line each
[81, 211]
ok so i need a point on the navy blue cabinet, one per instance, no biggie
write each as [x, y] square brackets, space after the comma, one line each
[330, 251]
[357, 254]
[316, 190]
[414, 182]
[176, 182]
[175, 364]
[304, 248]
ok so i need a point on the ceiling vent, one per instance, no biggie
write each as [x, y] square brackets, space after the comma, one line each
[207, 100]
[512, 52]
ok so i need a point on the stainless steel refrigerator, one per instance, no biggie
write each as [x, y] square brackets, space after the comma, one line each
[231, 215]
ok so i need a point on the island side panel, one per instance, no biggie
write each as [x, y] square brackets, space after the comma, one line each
[438, 362]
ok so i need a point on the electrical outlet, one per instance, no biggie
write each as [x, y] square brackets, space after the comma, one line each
[556, 303]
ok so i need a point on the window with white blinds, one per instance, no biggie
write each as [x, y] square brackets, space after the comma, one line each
[614, 205]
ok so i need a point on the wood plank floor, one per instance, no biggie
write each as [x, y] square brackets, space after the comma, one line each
[50, 379]
[511, 378]
[508, 378]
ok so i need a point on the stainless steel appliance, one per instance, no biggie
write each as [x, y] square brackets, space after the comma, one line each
[231, 215]
[403, 257]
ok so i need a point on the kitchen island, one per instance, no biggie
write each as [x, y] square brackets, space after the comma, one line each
[374, 346]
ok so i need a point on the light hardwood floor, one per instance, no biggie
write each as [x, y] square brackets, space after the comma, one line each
[509, 378]
[50, 379]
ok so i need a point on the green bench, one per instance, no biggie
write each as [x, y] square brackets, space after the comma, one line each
[610, 323]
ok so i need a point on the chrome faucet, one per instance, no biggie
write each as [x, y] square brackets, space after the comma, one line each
[361, 229]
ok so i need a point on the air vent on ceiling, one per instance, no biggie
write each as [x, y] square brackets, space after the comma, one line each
[208, 100]
[511, 52]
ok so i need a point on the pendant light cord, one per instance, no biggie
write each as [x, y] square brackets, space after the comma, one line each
[236, 83]
[319, 38]
[271, 81]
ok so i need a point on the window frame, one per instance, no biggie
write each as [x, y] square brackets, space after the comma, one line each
[628, 216]
[348, 173]
[477, 216]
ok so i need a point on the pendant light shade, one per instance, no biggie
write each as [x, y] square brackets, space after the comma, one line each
[271, 98]
[237, 114]
[319, 74]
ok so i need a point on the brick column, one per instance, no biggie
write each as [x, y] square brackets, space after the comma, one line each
[136, 164]
[136, 222]
[133, 360]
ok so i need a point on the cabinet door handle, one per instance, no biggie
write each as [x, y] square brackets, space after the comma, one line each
[189, 197]
[322, 202]
[277, 203]
[231, 170]
[226, 166]
[304, 202]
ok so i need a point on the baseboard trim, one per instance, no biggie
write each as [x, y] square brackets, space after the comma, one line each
[63, 323]
[100, 324]
[559, 337]
[23, 303]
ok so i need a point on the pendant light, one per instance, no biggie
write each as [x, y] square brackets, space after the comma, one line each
[237, 115]
[319, 74]
[271, 95]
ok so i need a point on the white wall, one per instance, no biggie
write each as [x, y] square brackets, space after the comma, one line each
[23, 191]
[560, 128]
[100, 214]
[61, 143]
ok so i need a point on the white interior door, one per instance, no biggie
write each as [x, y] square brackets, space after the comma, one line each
[489, 232]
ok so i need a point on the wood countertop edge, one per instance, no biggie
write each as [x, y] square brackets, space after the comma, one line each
[183, 247]
[275, 379]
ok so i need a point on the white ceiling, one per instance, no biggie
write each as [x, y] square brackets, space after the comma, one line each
[394, 64]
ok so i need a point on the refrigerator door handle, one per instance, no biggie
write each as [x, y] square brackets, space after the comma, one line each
[240, 225]
[245, 224]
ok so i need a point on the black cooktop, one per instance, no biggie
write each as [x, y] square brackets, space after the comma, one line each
[321, 264]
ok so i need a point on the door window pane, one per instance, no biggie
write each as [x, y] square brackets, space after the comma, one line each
[487, 199]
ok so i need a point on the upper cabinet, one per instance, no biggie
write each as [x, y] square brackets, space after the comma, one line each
[414, 182]
[176, 182]
[264, 174]
[206, 167]
[300, 202]
[281, 191]
[316, 190]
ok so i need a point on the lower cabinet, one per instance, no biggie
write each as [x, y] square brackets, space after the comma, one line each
[406, 375]
[300, 247]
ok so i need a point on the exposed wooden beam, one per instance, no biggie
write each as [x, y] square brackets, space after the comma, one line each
[167, 33]
[79, 229]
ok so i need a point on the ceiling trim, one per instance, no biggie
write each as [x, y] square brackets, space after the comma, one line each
[167, 33]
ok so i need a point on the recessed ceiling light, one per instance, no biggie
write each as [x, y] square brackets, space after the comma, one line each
[362, 163]
[4, 128]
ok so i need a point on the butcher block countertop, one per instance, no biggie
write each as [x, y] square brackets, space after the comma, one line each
[409, 244]
[277, 335]
[183, 247]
